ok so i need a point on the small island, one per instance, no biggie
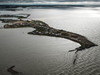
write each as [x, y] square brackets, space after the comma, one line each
[44, 29]
[15, 15]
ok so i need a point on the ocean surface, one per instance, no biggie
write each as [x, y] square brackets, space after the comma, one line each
[44, 55]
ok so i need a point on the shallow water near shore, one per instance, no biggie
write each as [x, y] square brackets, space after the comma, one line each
[44, 55]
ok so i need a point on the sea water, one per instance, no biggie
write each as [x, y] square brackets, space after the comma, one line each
[45, 55]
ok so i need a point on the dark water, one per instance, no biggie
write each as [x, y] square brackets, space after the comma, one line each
[43, 55]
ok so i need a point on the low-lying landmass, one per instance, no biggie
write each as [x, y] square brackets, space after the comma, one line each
[13, 71]
[19, 16]
[44, 29]
[41, 28]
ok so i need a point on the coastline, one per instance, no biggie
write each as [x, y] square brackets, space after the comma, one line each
[44, 29]
[40, 54]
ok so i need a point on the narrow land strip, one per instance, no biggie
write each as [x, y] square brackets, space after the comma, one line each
[44, 29]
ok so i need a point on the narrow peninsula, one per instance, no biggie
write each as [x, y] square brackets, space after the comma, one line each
[41, 28]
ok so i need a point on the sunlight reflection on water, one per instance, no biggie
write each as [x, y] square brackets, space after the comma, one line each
[39, 55]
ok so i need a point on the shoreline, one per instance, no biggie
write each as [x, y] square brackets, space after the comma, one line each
[44, 29]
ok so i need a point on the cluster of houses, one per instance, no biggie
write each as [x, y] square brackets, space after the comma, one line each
[16, 25]
[43, 29]
[46, 30]
[23, 23]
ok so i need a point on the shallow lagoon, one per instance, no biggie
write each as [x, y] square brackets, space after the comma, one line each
[42, 55]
